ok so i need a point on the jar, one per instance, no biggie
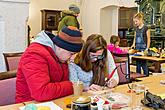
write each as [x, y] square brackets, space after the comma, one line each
[81, 103]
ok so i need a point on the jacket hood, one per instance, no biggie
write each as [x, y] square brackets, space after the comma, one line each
[44, 39]
[67, 12]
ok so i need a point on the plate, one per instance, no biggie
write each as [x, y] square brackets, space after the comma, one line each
[51, 105]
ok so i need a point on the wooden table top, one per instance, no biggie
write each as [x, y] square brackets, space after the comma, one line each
[151, 58]
[152, 82]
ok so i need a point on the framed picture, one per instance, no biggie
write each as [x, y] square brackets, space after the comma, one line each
[50, 19]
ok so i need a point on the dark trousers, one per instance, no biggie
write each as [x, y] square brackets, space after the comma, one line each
[143, 64]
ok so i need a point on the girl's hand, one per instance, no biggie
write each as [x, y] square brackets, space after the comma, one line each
[132, 51]
[132, 47]
[95, 87]
[112, 83]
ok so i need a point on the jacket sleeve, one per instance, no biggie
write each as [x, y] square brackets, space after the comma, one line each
[112, 66]
[119, 50]
[36, 72]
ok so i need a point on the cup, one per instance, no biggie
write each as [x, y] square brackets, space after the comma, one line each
[78, 88]
[137, 96]
[81, 103]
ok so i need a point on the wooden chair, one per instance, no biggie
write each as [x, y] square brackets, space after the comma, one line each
[12, 60]
[125, 76]
[122, 61]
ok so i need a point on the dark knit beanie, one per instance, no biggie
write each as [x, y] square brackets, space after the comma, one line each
[74, 8]
[69, 38]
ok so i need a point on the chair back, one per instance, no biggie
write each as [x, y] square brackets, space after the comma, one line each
[8, 91]
[12, 60]
[122, 61]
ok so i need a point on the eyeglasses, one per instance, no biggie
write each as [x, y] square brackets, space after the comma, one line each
[96, 57]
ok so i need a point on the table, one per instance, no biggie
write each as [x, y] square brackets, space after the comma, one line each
[154, 88]
[157, 61]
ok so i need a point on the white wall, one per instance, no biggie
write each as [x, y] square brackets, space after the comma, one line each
[101, 16]
[2, 42]
[35, 13]
[13, 17]
[109, 21]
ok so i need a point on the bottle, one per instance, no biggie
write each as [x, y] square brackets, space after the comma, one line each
[162, 53]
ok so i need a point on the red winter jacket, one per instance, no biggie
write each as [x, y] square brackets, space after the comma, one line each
[41, 76]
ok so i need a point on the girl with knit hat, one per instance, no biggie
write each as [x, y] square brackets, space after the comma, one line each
[69, 17]
[94, 64]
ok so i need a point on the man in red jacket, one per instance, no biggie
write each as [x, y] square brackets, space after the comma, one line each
[43, 71]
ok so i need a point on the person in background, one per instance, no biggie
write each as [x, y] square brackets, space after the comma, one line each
[114, 45]
[69, 17]
[93, 65]
[43, 70]
[141, 41]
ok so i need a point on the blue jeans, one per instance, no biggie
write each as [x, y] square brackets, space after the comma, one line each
[143, 64]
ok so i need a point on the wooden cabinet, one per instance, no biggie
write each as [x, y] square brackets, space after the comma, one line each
[50, 19]
[125, 24]
[126, 17]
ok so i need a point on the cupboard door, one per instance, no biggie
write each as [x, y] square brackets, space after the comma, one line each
[126, 17]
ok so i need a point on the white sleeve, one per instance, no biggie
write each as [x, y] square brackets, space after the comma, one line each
[73, 73]
[112, 66]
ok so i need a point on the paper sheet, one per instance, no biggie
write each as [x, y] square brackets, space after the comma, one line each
[162, 96]
[100, 92]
